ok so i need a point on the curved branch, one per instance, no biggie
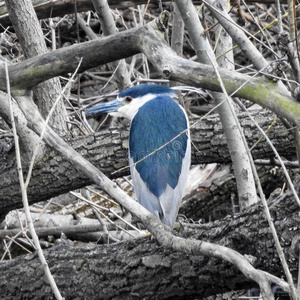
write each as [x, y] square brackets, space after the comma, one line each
[258, 90]
[149, 39]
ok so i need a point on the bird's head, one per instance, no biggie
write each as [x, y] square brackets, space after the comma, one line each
[130, 100]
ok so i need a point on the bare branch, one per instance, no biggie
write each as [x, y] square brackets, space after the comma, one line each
[26, 74]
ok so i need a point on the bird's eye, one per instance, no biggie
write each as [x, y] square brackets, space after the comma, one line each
[128, 99]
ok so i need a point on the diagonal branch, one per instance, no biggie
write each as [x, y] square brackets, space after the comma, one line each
[162, 233]
[99, 269]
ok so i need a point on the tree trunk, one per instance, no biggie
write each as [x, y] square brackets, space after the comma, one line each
[54, 175]
[142, 269]
[33, 43]
[231, 127]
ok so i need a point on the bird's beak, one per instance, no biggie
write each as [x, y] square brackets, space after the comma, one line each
[108, 107]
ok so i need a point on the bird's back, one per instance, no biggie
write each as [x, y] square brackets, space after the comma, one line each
[159, 179]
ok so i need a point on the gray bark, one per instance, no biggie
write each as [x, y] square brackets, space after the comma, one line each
[54, 175]
[234, 135]
[33, 43]
[142, 269]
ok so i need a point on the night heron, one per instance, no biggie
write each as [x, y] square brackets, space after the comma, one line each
[159, 146]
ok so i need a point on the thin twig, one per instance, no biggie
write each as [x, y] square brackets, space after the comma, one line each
[17, 243]
[104, 225]
[279, 16]
[262, 196]
[25, 199]
[275, 162]
[107, 209]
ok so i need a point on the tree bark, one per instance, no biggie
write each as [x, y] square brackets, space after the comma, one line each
[142, 269]
[108, 26]
[54, 175]
[33, 43]
[232, 130]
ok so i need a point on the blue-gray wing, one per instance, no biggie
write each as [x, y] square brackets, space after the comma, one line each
[166, 206]
[159, 179]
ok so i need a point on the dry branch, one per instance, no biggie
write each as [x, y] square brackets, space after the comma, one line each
[149, 39]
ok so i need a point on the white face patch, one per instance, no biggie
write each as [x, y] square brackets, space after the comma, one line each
[130, 109]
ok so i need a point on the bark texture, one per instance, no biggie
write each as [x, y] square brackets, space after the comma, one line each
[140, 268]
[32, 40]
[54, 175]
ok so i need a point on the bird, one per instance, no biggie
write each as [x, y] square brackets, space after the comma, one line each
[159, 146]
